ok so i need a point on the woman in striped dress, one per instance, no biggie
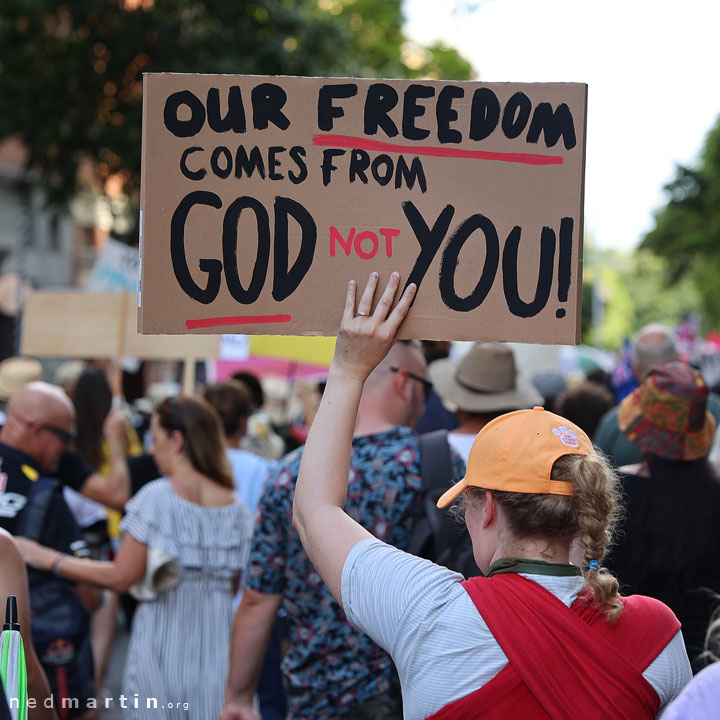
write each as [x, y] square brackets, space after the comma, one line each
[186, 543]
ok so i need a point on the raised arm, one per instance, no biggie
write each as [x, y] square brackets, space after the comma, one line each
[326, 531]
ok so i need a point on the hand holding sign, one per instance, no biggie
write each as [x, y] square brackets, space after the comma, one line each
[365, 335]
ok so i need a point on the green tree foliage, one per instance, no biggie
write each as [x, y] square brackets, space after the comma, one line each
[631, 292]
[71, 73]
[687, 229]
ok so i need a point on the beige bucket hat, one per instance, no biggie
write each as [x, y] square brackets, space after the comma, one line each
[484, 380]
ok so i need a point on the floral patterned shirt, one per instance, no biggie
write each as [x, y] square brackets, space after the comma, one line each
[330, 665]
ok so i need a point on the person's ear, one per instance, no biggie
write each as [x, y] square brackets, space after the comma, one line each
[490, 509]
[401, 383]
[177, 441]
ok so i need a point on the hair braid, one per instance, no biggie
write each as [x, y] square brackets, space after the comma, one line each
[597, 508]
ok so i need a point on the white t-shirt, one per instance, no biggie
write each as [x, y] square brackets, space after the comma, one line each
[441, 646]
[461, 443]
[250, 472]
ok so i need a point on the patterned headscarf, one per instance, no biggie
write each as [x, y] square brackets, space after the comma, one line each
[667, 415]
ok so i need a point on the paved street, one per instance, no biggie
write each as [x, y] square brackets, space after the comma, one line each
[113, 677]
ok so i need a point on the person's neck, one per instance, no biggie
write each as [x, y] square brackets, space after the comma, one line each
[371, 425]
[233, 442]
[546, 550]
[469, 423]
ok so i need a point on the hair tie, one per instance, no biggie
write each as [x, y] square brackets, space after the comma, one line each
[594, 565]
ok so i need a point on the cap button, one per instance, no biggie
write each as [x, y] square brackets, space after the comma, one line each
[538, 407]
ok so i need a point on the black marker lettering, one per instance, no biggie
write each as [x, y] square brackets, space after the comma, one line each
[248, 164]
[515, 304]
[553, 125]
[327, 166]
[213, 268]
[380, 99]
[285, 281]
[234, 117]
[446, 114]
[564, 262]
[184, 128]
[412, 110]
[450, 260]
[185, 170]
[382, 169]
[410, 174]
[267, 102]
[297, 153]
[516, 114]
[230, 250]
[274, 163]
[429, 239]
[359, 163]
[221, 162]
[484, 114]
[326, 111]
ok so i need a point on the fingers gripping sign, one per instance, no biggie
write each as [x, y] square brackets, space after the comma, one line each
[365, 335]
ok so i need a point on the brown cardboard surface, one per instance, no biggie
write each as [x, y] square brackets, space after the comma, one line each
[475, 190]
[99, 325]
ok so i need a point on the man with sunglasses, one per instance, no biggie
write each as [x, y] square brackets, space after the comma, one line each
[38, 429]
[332, 669]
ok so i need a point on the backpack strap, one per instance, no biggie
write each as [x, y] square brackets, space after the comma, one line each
[435, 460]
[436, 535]
[32, 520]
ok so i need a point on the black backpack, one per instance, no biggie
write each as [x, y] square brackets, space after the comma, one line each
[437, 535]
[57, 611]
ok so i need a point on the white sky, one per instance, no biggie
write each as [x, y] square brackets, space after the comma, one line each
[652, 74]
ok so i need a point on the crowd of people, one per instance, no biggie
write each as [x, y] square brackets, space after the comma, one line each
[266, 573]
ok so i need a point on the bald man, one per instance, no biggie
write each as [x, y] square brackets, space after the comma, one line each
[331, 668]
[39, 428]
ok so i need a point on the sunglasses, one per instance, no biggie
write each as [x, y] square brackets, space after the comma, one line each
[427, 385]
[66, 437]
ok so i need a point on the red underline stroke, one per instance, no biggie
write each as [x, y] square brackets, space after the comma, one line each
[358, 143]
[236, 320]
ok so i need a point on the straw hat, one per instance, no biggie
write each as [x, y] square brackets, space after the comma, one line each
[15, 373]
[667, 415]
[484, 380]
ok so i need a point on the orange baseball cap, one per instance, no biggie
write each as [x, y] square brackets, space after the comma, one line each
[516, 452]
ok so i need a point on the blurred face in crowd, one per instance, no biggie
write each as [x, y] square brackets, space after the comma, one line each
[54, 434]
[164, 447]
[40, 422]
[419, 385]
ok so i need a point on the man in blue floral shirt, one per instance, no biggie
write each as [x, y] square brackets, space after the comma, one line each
[332, 669]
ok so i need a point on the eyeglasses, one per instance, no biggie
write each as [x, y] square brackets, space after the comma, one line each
[427, 385]
[66, 437]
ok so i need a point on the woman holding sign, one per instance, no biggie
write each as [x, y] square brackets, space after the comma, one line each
[537, 637]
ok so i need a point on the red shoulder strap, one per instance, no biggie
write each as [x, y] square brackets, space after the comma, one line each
[566, 662]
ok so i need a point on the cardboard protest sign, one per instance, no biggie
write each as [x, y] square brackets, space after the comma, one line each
[115, 270]
[99, 325]
[262, 196]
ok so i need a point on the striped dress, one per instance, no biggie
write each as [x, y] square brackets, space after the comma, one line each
[177, 659]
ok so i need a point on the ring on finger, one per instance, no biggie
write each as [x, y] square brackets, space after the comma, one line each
[362, 314]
